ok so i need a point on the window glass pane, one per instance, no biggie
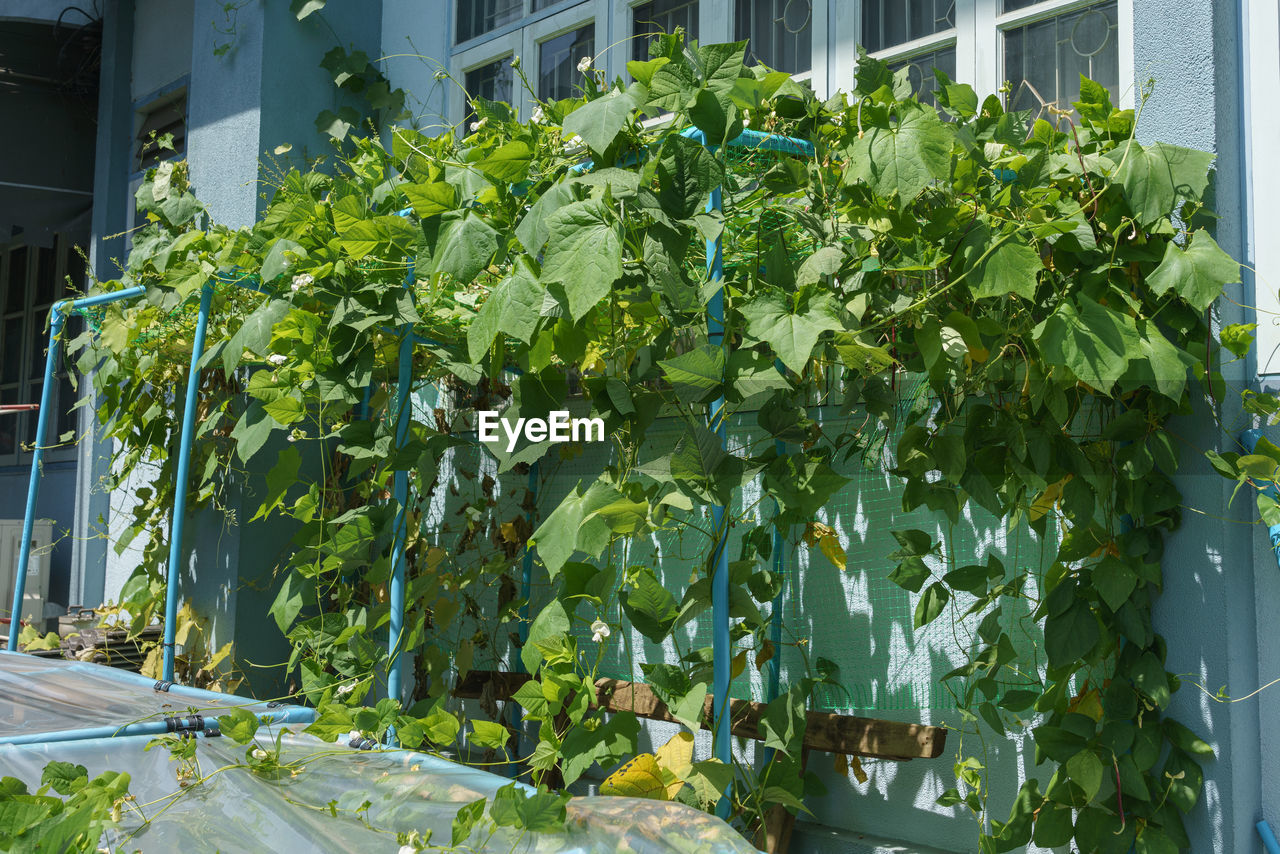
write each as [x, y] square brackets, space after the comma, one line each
[9, 425]
[37, 343]
[661, 16]
[477, 17]
[558, 58]
[886, 23]
[11, 350]
[47, 286]
[1014, 5]
[76, 269]
[28, 431]
[1044, 60]
[779, 32]
[923, 81]
[66, 420]
[16, 296]
[493, 82]
[539, 5]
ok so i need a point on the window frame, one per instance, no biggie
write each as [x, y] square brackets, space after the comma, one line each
[500, 48]
[35, 328]
[978, 39]
[818, 64]
[539, 32]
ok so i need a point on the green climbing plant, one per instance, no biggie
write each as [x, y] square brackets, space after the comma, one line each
[1050, 280]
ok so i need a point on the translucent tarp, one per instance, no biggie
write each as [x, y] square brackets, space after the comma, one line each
[48, 698]
[318, 801]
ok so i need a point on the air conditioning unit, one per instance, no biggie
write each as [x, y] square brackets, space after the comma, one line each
[36, 592]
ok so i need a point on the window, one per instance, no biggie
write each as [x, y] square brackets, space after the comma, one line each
[887, 23]
[779, 33]
[920, 70]
[1044, 60]
[166, 115]
[477, 17]
[31, 280]
[1040, 47]
[661, 16]
[558, 58]
[493, 81]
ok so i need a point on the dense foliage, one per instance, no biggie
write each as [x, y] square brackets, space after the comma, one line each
[1048, 276]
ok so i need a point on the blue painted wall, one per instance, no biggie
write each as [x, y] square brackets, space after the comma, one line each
[1212, 605]
[56, 502]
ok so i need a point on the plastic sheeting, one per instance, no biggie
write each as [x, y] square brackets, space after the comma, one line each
[321, 807]
[43, 699]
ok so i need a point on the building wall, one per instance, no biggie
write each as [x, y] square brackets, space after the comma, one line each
[1220, 575]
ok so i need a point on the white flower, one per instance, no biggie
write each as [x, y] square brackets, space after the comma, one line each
[300, 281]
[346, 689]
[259, 753]
[407, 849]
[475, 126]
[584, 65]
[599, 630]
[277, 358]
[353, 735]
[538, 115]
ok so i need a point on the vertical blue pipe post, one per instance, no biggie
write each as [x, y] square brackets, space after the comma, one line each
[178, 521]
[33, 485]
[720, 524]
[400, 490]
[526, 589]
[775, 616]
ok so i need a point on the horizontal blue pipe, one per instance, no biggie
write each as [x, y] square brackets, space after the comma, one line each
[751, 139]
[290, 715]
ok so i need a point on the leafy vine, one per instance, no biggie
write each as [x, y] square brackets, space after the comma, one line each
[1048, 280]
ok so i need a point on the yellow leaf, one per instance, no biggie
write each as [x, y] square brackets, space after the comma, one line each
[153, 665]
[186, 624]
[639, 778]
[1046, 500]
[765, 655]
[434, 557]
[219, 657]
[738, 665]
[831, 547]
[509, 532]
[856, 764]
[675, 758]
[1088, 703]
[815, 531]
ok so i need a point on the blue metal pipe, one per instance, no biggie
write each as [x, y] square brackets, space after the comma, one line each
[400, 490]
[1249, 439]
[720, 646]
[526, 569]
[291, 715]
[178, 520]
[526, 589]
[1268, 838]
[33, 485]
[775, 616]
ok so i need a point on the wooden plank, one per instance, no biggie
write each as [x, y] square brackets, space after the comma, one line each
[825, 731]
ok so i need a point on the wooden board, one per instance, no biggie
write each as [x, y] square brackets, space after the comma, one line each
[825, 731]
